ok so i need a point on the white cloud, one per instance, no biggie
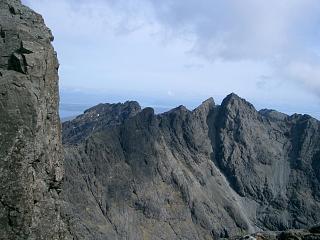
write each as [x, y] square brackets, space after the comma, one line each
[238, 29]
[284, 34]
[170, 93]
[195, 48]
[305, 73]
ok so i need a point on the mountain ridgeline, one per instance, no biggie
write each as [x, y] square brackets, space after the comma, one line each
[214, 172]
[119, 172]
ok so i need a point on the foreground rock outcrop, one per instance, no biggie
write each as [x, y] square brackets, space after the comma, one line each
[31, 160]
[215, 172]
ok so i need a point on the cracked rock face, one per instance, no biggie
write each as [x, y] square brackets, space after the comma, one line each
[214, 172]
[31, 160]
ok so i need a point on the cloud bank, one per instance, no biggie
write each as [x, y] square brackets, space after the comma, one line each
[285, 34]
[190, 49]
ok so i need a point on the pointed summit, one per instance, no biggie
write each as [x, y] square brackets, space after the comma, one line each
[178, 109]
[208, 103]
[206, 106]
[233, 106]
[232, 97]
[234, 101]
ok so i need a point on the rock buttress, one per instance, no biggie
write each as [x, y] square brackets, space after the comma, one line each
[31, 161]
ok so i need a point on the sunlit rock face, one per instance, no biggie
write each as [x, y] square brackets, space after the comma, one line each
[214, 172]
[31, 160]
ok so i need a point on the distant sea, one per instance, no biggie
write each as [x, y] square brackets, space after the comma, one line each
[69, 111]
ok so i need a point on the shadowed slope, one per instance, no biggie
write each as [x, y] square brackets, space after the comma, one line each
[212, 172]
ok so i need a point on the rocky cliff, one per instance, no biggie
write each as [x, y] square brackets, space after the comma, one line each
[214, 172]
[31, 160]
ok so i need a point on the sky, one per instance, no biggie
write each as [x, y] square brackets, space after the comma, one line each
[180, 52]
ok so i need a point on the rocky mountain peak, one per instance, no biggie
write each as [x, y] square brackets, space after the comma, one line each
[233, 102]
[209, 173]
[129, 107]
[208, 103]
[206, 106]
[273, 115]
[97, 118]
[180, 108]
[235, 107]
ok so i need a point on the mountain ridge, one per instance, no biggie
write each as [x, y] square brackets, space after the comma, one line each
[268, 112]
[176, 149]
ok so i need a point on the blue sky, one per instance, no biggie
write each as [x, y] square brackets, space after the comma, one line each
[171, 52]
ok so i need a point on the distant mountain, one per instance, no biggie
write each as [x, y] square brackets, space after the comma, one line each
[214, 172]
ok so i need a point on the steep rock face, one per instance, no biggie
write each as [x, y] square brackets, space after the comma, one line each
[31, 160]
[272, 161]
[150, 177]
[213, 172]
